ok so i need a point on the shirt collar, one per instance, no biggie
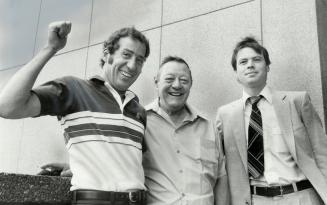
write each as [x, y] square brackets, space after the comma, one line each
[193, 112]
[98, 79]
[266, 93]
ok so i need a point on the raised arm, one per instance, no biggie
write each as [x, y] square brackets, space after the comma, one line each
[16, 99]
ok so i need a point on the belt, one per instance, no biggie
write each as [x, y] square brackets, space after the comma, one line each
[110, 196]
[280, 190]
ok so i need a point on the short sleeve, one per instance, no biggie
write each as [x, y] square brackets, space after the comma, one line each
[54, 97]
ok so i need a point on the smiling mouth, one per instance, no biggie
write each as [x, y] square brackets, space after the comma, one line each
[175, 94]
[251, 73]
[126, 74]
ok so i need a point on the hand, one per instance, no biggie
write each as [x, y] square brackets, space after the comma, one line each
[58, 32]
[62, 168]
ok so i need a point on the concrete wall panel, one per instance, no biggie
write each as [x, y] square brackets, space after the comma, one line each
[290, 35]
[78, 12]
[182, 9]
[18, 23]
[42, 142]
[72, 63]
[10, 143]
[93, 61]
[206, 43]
[111, 15]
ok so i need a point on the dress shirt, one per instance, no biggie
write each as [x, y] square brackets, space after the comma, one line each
[182, 164]
[280, 167]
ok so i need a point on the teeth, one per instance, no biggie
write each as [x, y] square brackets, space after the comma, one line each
[175, 94]
[126, 74]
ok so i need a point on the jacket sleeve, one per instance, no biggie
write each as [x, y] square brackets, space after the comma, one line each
[221, 189]
[316, 133]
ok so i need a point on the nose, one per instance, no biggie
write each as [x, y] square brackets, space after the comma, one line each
[176, 84]
[250, 64]
[131, 64]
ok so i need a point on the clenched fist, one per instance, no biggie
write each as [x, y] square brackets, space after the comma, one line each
[58, 32]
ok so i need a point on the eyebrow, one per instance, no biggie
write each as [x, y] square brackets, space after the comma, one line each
[256, 56]
[130, 51]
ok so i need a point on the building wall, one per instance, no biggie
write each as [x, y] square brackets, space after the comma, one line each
[202, 32]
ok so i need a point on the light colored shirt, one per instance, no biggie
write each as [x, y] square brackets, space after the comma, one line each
[182, 163]
[280, 167]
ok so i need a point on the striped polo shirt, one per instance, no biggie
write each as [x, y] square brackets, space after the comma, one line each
[103, 135]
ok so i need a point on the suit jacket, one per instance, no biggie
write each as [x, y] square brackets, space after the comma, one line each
[303, 133]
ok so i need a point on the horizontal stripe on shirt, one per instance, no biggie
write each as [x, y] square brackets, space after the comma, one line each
[116, 140]
[101, 118]
[106, 130]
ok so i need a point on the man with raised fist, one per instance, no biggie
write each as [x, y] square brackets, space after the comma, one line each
[102, 120]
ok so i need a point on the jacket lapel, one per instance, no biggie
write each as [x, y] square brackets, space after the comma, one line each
[283, 113]
[240, 132]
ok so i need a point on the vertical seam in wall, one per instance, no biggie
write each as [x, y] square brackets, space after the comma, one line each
[161, 22]
[88, 41]
[37, 27]
[261, 24]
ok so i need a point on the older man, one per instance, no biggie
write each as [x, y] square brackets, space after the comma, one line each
[103, 121]
[183, 163]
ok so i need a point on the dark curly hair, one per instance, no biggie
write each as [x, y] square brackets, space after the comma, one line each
[111, 44]
[250, 42]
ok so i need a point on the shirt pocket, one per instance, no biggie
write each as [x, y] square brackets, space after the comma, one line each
[276, 141]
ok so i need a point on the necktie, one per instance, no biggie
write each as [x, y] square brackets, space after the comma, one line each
[255, 141]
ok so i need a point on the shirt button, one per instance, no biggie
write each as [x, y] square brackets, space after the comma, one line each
[183, 195]
[178, 151]
[180, 171]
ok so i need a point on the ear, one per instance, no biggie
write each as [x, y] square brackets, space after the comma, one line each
[156, 81]
[107, 58]
[268, 68]
[111, 59]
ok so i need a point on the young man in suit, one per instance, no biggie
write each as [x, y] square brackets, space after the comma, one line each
[275, 144]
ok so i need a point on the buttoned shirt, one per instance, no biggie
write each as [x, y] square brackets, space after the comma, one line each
[181, 163]
[280, 167]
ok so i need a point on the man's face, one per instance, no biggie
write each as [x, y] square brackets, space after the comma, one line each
[124, 66]
[251, 68]
[173, 84]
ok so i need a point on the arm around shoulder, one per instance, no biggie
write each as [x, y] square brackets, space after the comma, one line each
[221, 191]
